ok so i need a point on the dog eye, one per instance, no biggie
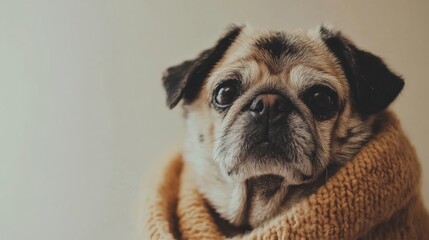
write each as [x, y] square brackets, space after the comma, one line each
[322, 101]
[225, 94]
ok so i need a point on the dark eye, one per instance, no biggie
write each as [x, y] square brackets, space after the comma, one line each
[322, 101]
[225, 94]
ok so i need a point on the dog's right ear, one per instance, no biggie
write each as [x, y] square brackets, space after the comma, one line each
[373, 85]
[185, 80]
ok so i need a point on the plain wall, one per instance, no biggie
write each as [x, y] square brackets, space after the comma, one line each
[82, 109]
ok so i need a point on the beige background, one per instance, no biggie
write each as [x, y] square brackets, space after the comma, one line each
[82, 114]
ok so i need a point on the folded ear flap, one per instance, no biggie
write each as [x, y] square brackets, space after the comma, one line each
[185, 80]
[373, 86]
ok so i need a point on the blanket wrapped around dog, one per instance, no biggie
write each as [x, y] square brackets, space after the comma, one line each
[374, 196]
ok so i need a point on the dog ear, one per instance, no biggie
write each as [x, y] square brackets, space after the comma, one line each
[373, 85]
[185, 80]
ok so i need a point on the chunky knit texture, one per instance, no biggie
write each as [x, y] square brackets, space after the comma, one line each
[374, 196]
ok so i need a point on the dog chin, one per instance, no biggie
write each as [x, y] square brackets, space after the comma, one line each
[267, 151]
[266, 160]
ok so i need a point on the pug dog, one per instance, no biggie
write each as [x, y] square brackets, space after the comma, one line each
[271, 115]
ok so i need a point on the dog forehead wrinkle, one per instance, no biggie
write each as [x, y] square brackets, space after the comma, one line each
[278, 50]
[276, 44]
[244, 70]
[302, 77]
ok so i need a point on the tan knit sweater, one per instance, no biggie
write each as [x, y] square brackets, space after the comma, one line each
[375, 196]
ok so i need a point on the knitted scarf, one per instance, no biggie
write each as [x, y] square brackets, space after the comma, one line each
[374, 196]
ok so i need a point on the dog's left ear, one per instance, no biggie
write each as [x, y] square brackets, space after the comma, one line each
[185, 80]
[373, 86]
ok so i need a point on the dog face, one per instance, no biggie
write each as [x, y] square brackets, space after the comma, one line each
[278, 106]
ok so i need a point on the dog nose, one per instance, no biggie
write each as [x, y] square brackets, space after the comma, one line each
[273, 106]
